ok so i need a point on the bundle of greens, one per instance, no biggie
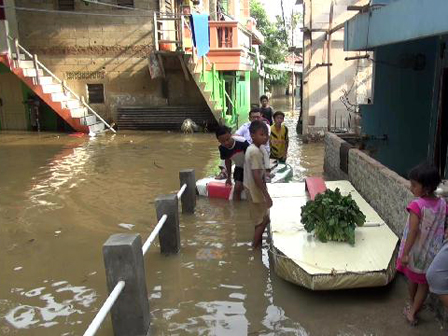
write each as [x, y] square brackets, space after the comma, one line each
[332, 217]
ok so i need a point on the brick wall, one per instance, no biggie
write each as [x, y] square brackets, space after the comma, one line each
[387, 192]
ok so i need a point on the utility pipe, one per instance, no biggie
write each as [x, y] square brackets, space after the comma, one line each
[330, 25]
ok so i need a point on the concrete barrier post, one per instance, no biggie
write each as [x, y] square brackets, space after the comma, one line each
[169, 235]
[123, 260]
[189, 196]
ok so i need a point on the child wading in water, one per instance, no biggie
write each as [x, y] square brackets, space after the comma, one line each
[255, 180]
[232, 149]
[279, 138]
[422, 236]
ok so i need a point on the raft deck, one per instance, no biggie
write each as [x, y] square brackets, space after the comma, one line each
[302, 259]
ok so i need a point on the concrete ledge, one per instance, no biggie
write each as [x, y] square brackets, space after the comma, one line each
[332, 160]
[386, 191]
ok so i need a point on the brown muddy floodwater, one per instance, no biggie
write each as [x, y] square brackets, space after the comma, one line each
[62, 197]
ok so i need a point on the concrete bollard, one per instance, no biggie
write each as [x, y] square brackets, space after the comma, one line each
[189, 196]
[169, 235]
[123, 260]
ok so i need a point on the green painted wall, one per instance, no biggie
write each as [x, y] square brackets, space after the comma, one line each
[5, 69]
[47, 117]
[215, 82]
[403, 105]
[242, 98]
[49, 120]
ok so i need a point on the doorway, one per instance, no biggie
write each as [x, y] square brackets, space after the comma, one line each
[229, 88]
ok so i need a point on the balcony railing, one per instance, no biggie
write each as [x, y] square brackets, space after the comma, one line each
[228, 35]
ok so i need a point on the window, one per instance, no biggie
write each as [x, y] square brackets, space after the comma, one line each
[67, 5]
[95, 93]
[125, 3]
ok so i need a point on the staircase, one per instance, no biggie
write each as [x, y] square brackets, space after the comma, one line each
[53, 91]
[211, 86]
[163, 117]
[201, 70]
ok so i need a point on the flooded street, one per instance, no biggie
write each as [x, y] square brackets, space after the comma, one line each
[61, 197]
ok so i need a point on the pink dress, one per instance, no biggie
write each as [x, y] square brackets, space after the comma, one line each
[432, 213]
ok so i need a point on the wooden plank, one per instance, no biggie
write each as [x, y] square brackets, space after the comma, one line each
[168, 41]
[336, 28]
[162, 66]
[184, 67]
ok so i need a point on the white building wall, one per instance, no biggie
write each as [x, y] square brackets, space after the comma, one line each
[350, 80]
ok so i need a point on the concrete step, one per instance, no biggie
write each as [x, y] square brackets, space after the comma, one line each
[51, 88]
[207, 95]
[88, 120]
[96, 128]
[26, 64]
[21, 56]
[60, 97]
[32, 72]
[72, 103]
[46, 80]
[163, 117]
[79, 112]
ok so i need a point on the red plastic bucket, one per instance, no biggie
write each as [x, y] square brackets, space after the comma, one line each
[218, 190]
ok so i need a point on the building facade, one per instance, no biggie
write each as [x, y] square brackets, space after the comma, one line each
[103, 52]
[333, 86]
[407, 120]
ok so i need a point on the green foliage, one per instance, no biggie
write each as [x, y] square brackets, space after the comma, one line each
[332, 217]
[275, 46]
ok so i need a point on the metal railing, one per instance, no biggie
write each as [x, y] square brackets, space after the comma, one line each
[37, 63]
[107, 306]
[218, 93]
[123, 271]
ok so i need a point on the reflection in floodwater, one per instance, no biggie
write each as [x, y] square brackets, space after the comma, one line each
[47, 310]
[64, 172]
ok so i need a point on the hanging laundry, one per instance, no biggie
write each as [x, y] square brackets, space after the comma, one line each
[201, 37]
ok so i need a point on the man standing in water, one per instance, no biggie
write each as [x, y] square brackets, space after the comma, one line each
[266, 111]
[279, 138]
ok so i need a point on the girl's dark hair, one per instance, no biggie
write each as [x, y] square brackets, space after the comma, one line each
[427, 175]
[222, 130]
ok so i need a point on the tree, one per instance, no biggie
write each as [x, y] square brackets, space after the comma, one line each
[275, 45]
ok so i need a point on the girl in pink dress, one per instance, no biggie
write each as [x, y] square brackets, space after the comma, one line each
[422, 236]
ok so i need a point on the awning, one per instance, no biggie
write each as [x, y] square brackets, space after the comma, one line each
[400, 21]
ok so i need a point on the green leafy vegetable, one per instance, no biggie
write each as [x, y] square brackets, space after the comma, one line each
[332, 217]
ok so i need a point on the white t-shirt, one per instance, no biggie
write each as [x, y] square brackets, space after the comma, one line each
[244, 132]
[254, 159]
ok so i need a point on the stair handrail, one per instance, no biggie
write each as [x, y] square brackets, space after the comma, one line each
[214, 73]
[61, 82]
